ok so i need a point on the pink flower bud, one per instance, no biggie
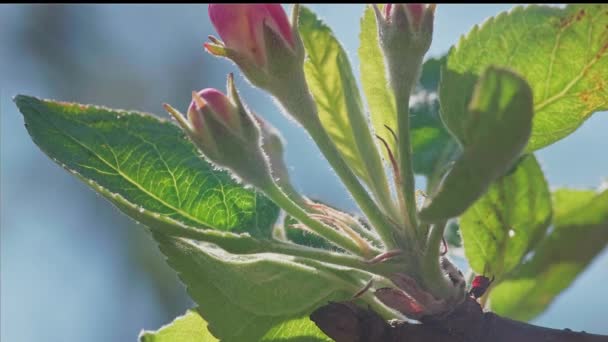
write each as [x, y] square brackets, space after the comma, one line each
[415, 14]
[405, 32]
[241, 27]
[226, 133]
[211, 101]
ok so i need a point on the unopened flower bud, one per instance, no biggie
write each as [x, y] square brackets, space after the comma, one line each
[226, 133]
[411, 22]
[241, 26]
[405, 32]
[215, 103]
[415, 15]
[258, 38]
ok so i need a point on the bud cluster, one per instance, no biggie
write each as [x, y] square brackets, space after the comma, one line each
[268, 49]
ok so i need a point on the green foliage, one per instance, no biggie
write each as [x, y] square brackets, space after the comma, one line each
[380, 99]
[285, 290]
[506, 222]
[468, 142]
[304, 237]
[562, 53]
[333, 86]
[295, 330]
[136, 158]
[493, 133]
[190, 327]
[452, 234]
[432, 145]
[431, 73]
[129, 158]
[580, 233]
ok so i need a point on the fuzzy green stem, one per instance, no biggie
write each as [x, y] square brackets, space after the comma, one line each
[239, 244]
[433, 274]
[408, 186]
[361, 196]
[366, 234]
[365, 144]
[434, 239]
[433, 181]
[354, 224]
[298, 101]
[283, 201]
[291, 192]
[381, 309]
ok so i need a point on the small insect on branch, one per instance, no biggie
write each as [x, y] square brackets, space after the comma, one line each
[479, 286]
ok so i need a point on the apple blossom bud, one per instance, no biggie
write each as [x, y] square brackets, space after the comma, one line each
[212, 102]
[241, 26]
[416, 18]
[258, 38]
[226, 133]
[405, 34]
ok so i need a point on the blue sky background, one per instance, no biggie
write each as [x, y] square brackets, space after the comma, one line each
[75, 269]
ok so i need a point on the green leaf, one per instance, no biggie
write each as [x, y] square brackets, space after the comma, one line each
[139, 161]
[579, 208]
[296, 330]
[562, 53]
[433, 146]
[504, 224]
[493, 134]
[431, 73]
[190, 327]
[333, 86]
[286, 290]
[580, 233]
[379, 97]
[452, 234]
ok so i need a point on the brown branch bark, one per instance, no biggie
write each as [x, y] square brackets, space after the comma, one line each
[347, 322]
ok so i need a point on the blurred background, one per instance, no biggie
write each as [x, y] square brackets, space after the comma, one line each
[73, 268]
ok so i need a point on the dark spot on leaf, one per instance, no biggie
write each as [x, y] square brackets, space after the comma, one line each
[602, 51]
[565, 22]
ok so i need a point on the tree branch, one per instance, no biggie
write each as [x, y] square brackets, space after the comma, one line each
[347, 322]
